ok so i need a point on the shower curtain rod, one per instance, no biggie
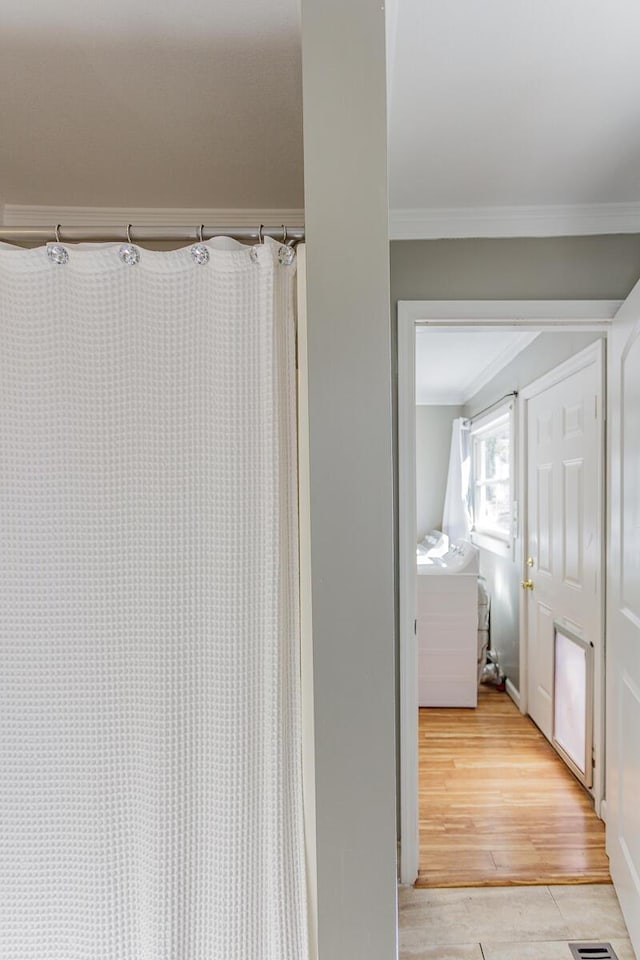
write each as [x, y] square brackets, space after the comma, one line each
[150, 234]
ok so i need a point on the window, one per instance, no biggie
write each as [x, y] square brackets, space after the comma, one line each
[491, 476]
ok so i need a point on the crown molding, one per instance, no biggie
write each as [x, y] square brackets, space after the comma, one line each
[27, 215]
[562, 220]
[417, 224]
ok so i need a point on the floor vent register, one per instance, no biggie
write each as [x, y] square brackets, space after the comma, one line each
[592, 951]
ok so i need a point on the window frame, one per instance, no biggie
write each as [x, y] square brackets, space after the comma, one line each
[496, 540]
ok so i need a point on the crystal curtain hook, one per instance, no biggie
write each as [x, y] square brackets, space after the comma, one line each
[286, 254]
[55, 251]
[129, 253]
[253, 252]
[199, 250]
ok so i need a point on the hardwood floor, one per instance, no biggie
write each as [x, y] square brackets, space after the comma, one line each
[497, 804]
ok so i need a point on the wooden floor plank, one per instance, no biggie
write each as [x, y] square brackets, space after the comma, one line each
[497, 804]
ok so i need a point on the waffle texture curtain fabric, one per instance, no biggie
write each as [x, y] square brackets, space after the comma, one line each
[150, 773]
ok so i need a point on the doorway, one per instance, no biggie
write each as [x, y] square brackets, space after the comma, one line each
[500, 533]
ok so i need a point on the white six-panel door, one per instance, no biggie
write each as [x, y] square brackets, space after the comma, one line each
[564, 519]
[623, 613]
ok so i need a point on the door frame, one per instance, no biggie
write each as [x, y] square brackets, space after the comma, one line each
[594, 353]
[471, 315]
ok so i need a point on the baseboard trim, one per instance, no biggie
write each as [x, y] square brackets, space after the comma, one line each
[513, 693]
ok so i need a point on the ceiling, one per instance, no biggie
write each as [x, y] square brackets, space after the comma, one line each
[452, 366]
[513, 110]
[508, 117]
[151, 104]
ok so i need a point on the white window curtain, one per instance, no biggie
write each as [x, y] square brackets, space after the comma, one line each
[455, 519]
[150, 771]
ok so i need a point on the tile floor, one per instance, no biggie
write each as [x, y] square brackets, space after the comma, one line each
[508, 923]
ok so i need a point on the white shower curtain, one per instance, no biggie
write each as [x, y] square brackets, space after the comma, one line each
[150, 773]
[455, 519]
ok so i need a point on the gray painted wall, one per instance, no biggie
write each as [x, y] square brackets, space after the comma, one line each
[351, 475]
[532, 268]
[503, 581]
[433, 443]
[502, 573]
[545, 353]
[555, 268]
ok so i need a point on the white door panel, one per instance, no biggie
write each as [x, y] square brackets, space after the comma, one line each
[623, 613]
[564, 454]
[542, 528]
[572, 547]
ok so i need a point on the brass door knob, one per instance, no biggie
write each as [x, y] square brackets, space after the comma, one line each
[526, 584]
